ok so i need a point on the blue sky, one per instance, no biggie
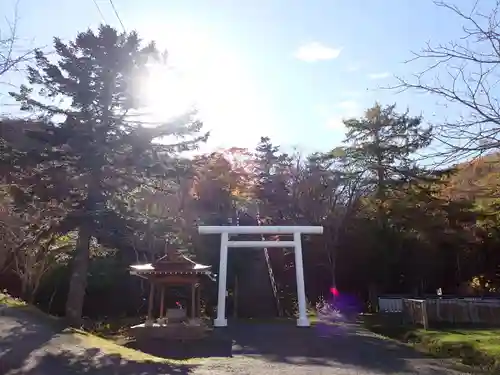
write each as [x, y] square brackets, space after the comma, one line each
[290, 69]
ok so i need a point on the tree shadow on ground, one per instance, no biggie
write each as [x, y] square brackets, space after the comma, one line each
[93, 362]
[31, 346]
[20, 337]
[212, 346]
[342, 345]
[328, 345]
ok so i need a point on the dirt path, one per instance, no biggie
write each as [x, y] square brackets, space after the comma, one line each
[30, 348]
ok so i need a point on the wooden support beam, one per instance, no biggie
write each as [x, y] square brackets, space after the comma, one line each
[193, 300]
[198, 304]
[162, 301]
[151, 301]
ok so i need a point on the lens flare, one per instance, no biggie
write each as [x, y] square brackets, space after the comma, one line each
[334, 291]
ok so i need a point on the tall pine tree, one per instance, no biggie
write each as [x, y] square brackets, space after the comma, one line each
[380, 146]
[380, 151]
[272, 173]
[95, 154]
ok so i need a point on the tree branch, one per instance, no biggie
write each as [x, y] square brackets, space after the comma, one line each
[464, 73]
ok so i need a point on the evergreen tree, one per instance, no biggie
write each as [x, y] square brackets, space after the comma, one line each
[96, 153]
[272, 188]
[381, 146]
[380, 150]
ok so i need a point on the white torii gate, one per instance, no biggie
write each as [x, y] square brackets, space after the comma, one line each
[296, 244]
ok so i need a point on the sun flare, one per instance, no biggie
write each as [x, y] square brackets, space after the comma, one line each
[167, 94]
[211, 78]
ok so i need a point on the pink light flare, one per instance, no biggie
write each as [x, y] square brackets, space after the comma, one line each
[334, 291]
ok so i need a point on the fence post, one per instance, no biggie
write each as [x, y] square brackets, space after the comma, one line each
[404, 311]
[425, 317]
[470, 312]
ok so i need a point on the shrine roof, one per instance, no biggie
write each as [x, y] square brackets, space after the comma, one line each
[171, 263]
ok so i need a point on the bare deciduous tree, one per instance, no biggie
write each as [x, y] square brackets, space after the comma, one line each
[32, 262]
[9, 232]
[465, 73]
[12, 54]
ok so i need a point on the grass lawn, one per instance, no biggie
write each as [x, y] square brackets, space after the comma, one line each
[474, 346]
[478, 347]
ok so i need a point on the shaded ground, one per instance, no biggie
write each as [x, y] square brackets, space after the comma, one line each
[323, 349]
[27, 347]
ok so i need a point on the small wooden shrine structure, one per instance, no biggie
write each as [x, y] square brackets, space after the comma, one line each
[173, 269]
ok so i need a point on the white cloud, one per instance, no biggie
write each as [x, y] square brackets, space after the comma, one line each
[316, 51]
[379, 75]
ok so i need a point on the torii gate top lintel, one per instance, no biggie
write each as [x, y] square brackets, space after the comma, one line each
[271, 229]
[225, 231]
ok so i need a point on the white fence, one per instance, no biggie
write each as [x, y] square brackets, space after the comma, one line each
[453, 310]
[395, 304]
[390, 305]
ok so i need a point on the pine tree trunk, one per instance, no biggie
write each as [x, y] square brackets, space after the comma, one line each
[78, 281]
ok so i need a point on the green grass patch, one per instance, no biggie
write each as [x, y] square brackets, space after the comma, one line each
[7, 300]
[108, 347]
[476, 347]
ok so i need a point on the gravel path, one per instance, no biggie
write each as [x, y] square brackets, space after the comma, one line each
[30, 348]
[322, 350]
